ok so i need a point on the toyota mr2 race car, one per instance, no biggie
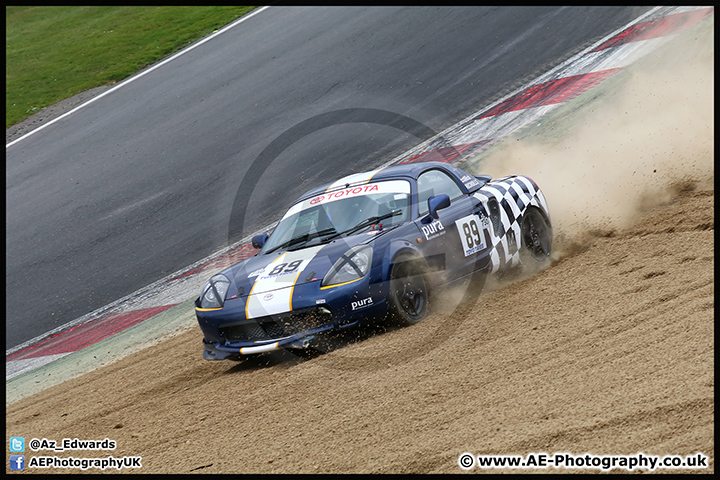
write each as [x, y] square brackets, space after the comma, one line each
[370, 246]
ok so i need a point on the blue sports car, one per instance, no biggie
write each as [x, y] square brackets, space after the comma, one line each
[367, 247]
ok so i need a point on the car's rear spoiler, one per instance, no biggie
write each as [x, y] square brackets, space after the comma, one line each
[483, 179]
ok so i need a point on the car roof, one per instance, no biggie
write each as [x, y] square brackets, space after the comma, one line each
[411, 170]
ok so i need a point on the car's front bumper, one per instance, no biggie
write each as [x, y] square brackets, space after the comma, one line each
[221, 351]
[228, 333]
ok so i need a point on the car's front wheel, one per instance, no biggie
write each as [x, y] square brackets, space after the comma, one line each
[408, 291]
[536, 239]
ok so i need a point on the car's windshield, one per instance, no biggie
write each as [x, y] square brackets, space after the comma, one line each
[342, 212]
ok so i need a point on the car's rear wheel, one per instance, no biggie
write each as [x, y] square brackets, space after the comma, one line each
[536, 239]
[408, 291]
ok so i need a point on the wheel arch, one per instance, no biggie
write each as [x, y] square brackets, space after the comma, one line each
[396, 249]
[542, 211]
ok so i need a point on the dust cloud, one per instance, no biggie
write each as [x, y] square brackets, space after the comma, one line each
[630, 145]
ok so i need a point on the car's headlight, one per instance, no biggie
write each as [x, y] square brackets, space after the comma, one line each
[354, 264]
[213, 294]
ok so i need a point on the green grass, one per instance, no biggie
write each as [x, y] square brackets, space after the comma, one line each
[53, 53]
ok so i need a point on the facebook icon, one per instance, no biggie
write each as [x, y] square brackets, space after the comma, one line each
[17, 462]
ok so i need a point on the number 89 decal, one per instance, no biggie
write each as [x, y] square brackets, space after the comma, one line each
[281, 267]
[472, 235]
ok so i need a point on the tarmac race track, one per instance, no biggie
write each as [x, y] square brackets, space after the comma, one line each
[609, 351]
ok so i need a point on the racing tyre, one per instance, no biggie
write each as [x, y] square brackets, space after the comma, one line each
[536, 239]
[408, 291]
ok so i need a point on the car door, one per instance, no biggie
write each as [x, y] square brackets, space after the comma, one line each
[452, 242]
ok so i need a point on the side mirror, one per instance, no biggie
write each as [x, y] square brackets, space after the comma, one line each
[438, 202]
[259, 240]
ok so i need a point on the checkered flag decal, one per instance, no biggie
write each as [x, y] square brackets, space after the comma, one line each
[512, 195]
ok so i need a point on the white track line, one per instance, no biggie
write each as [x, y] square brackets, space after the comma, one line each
[143, 73]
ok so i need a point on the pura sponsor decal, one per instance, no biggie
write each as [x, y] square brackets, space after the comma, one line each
[433, 230]
[366, 302]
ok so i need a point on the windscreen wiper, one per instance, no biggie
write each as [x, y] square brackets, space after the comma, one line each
[366, 223]
[305, 237]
